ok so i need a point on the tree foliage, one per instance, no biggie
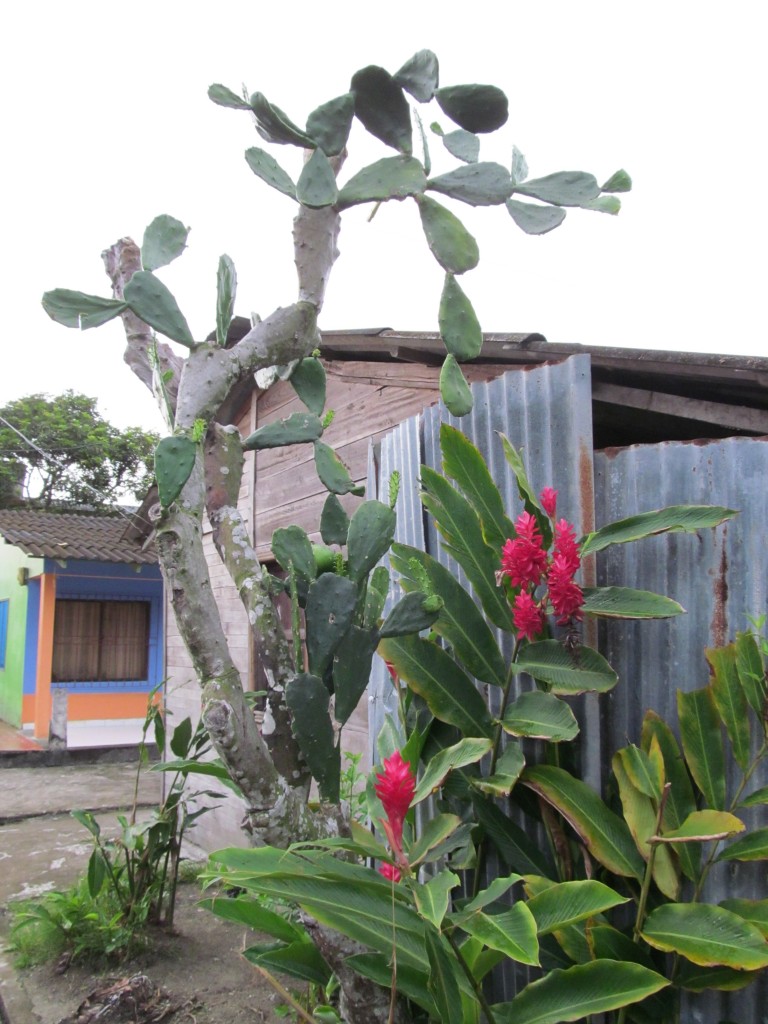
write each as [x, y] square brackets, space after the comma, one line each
[58, 452]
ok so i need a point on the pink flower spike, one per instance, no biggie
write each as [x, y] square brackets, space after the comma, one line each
[527, 617]
[548, 499]
[395, 787]
[390, 872]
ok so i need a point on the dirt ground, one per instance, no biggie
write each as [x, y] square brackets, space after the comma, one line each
[200, 969]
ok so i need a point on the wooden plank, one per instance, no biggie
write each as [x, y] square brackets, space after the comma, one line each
[729, 416]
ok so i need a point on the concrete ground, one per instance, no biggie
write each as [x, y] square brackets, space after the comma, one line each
[41, 846]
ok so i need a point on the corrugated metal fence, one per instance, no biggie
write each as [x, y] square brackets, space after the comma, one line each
[720, 576]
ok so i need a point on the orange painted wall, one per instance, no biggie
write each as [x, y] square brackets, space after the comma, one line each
[84, 706]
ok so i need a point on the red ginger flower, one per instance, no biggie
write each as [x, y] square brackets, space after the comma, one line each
[548, 498]
[390, 872]
[566, 546]
[524, 559]
[527, 616]
[564, 593]
[395, 787]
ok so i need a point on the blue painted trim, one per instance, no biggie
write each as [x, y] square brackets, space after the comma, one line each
[133, 686]
[4, 605]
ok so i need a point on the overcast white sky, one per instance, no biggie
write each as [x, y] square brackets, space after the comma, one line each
[106, 123]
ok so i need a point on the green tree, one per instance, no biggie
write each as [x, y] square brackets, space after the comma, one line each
[58, 452]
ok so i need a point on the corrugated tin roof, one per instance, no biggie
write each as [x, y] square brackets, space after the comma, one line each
[68, 535]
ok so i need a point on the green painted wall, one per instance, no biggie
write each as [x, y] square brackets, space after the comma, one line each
[12, 675]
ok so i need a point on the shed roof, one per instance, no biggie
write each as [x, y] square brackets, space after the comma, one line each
[68, 535]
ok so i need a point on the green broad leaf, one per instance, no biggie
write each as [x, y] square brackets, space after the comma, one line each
[352, 669]
[749, 663]
[674, 518]
[526, 491]
[432, 899]
[224, 97]
[330, 123]
[604, 833]
[331, 602]
[534, 219]
[301, 960]
[459, 621]
[307, 697]
[252, 914]
[174, 461]
[575, 993]
[215, 769]
[754, 911]
[265, 166]
[519, 168]
[449, 241]
[88, 820]
[226, 290]
[564, 188]
[627, 603]
[641, 816]
[291, 546]
[433, 835]
[96, 874]
[419, 76]
[164, 239]
[609, 943]
[334, 521]
[443, 985]
[512, 844]
[365, 840]
[507, 772]
[468, 751]
[643, 772]
[316, 186]
[550, 662]
[464, 464]
[706, 935]
[333, 474]
[411, 614]
[153, 303]
[181, 738]
[454, 390]
[76, 309]
[542, 716]
[569, 902]
[298, 428]
[498, 888]
[308, 381]
[275, 126]
[680, 798]
[701, 826]
[381, 107]
[410, 982]
[435, 676]
[730, 700]
[478, 184]
[512, 932]
[751, 847]
[723, 979]
[459, 327]
[756, 799]
[618, 182]
[702, 742]
[463, 145]
[393, 177]
[475, 108]
[376, 596]
[371, 530]
[463, 538]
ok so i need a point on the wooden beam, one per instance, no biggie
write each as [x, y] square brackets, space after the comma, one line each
[730, 416]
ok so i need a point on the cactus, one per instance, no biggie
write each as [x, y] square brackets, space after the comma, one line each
[334, 521]
[475, 108]
[308, 381]
[273, 125]
[331, 604]
[226, 290]
[174, 461]
[420, 75]
[291, 547]
[153, 303]
[265, 166]
[459, 327]
[478, 184]
[308, 698]
[382, 108]
[316, 186]
[449, 241]
[454, 389]
[329, 124]
[333, 473]
[393, 177]
[352, 669]
[414, 612]
[76, 309]
[164, 239]
[463, 145]
[371, 531]
[298, 428]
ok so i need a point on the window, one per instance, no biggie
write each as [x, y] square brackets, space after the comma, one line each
[100, 641]
[3, 630]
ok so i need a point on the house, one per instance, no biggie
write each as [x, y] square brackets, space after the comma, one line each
[378, 380]
[81, 626]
